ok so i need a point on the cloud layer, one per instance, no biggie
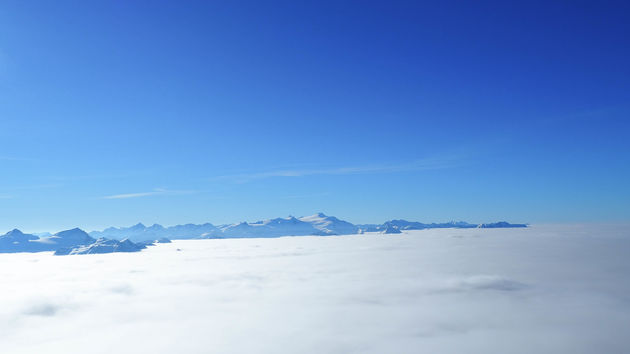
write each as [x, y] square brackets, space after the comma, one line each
[542, 290]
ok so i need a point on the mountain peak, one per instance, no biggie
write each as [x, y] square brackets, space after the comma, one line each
[76, 230]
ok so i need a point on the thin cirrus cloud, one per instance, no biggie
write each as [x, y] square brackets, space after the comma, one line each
[418, 165]
[300, 196]
[155, 192]
[16, 159]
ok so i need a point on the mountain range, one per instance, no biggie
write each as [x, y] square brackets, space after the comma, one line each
[137, 237]
[317, 224]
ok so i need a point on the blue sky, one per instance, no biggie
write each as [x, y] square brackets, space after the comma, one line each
[115, 112]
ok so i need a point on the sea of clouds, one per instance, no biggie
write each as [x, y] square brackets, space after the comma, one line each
[544, 289]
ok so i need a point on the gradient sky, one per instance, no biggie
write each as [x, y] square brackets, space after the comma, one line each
[116, 112]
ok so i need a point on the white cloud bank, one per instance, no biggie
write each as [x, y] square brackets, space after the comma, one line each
[537, 290]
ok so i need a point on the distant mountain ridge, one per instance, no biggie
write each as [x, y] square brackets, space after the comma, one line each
[139, 232]
[137, 237]
[414, 225]
[318, 224]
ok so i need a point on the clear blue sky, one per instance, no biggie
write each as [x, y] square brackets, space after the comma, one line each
[114, 112]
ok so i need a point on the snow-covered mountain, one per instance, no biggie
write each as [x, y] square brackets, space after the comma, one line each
[270, 228]
[391, 230]
[136, 237]
[139, 232]
[102, 245]
[74, 241]
[330, 225]
[17, 241]
[405, 225]
[318, 224]
[414, 225]
[186, 231]
[67, 238]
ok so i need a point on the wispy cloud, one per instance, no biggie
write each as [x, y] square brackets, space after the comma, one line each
[39, 186]
[14, 158]
[298, 196]
[106, 176]
[156, 191]
[130, 195]
[417, 165]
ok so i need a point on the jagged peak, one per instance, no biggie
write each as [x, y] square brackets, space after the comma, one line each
[71, 231]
